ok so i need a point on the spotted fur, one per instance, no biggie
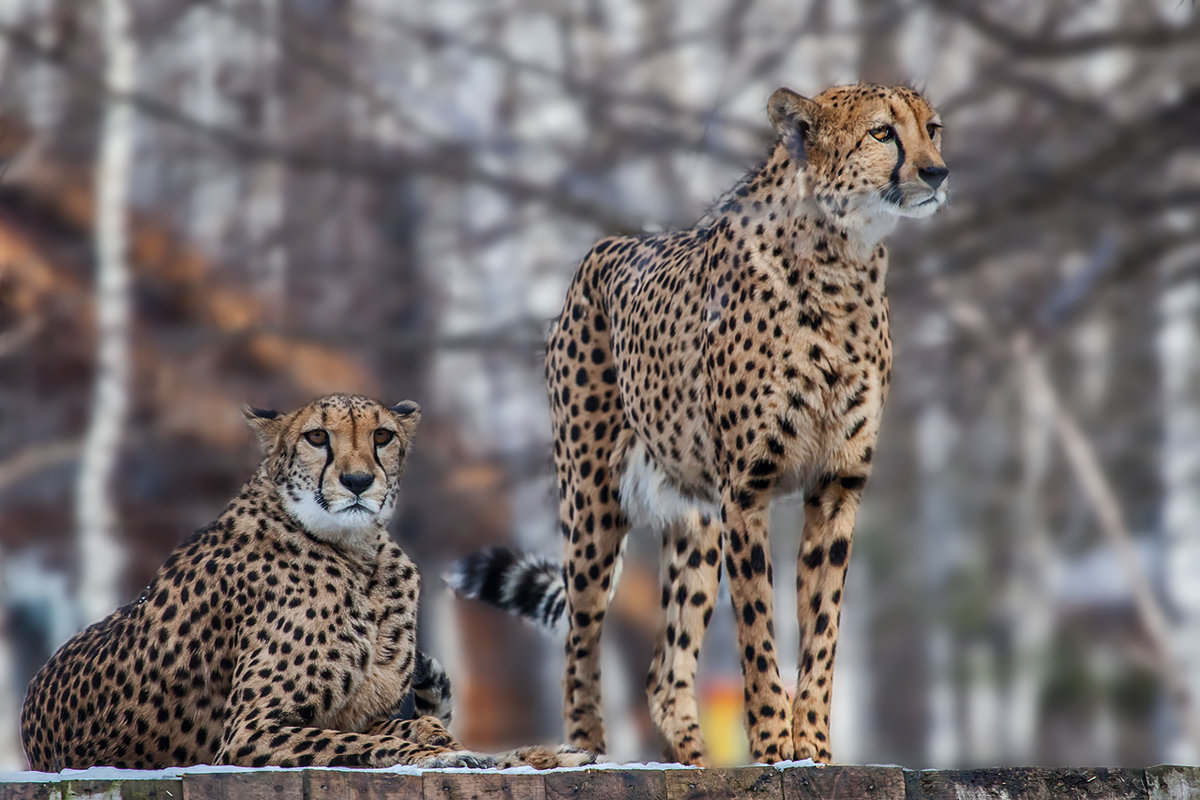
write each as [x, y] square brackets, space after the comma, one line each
[694, 375]
[281, 634]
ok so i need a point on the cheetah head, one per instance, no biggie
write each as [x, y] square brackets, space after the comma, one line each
[337, 461]
[870, 153]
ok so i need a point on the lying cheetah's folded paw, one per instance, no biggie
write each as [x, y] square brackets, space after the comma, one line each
[539, 757]
[458, 759]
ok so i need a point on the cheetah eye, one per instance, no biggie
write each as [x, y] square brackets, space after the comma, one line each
[884, 133]
[317, 438]
[933, 128]
[383, 436]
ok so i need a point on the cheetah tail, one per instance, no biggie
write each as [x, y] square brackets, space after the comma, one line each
[432, 696]
[528, 586]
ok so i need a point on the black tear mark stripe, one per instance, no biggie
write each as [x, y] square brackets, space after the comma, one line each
[328, 460]
[893, 192]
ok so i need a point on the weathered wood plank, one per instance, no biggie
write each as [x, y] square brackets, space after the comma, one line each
[844, 783]
[1034, 783]
[264, 785]
[606, 784]
[329, 784]
[1173, 783]
[483, 786]
[154, 789]
[749, 783]
[30, 791]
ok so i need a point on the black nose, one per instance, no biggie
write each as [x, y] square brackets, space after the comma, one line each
[933, 175]
[357, 482]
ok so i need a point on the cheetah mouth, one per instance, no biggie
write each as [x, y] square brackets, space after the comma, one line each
[925, 206]
[930, 200]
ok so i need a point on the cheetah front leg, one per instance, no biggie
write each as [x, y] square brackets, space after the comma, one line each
[691, 576]
[430, 745]
[445, 751]
[748, 564]
[274, 723]
[260, 738]
[829, 514]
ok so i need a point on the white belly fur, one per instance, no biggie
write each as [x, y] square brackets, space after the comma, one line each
[648, 497]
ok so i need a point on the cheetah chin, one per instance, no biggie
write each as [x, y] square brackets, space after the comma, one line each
[348, 520]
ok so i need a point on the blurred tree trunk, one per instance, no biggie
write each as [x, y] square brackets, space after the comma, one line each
[101, 555]
[45, 84]
[265, 211]
[935, 438]
[1179, 354]
[1028, 604]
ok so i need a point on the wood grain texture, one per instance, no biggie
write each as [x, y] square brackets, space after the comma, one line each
[844, 783]
[351, 785]
[1034, 783]
[483, 786]
[265, 785]
[606, 784]
[743, 783]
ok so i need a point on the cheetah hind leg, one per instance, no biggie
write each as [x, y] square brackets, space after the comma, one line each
[691, 566]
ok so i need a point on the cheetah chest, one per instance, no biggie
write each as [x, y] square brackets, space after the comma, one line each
[371, 660]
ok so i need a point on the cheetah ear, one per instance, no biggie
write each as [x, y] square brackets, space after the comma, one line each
[793, 116]
[265, 423]
[408, 414]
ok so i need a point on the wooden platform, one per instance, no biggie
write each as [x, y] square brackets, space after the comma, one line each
[621, 783]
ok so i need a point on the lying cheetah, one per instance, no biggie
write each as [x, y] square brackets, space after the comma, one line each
[696, 374]
[282, 634]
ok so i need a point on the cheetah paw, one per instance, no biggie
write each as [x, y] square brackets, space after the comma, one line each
[458, 759]
[539, 757]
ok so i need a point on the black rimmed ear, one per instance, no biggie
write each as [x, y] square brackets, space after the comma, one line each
[265, 423]
[408, 415]
[793, 116]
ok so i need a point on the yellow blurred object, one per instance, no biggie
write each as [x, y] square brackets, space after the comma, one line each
[721, 721]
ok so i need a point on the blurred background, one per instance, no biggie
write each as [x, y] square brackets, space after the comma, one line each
[228, 201]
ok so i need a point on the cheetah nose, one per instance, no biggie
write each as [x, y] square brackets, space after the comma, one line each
[933, 175]
[357, 482]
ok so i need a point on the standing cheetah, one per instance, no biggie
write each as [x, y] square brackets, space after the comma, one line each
[284, 633]
[694, 375]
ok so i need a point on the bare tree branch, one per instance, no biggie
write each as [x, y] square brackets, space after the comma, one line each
[1057, 46]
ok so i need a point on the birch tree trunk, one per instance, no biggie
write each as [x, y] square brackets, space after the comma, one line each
[101, 556]
[1178, 351]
